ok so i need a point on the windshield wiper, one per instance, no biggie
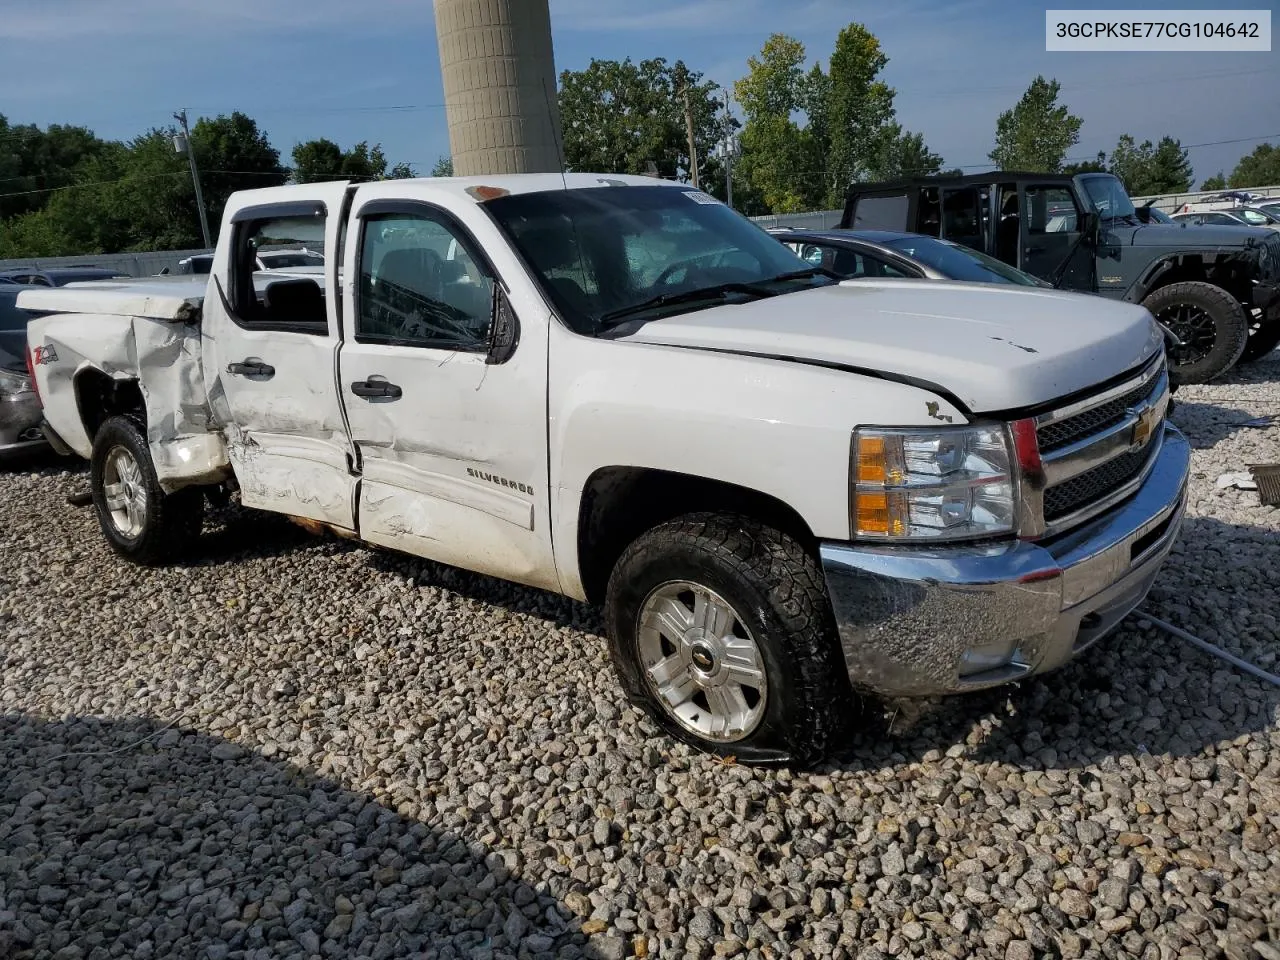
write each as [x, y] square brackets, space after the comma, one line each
[754, 288]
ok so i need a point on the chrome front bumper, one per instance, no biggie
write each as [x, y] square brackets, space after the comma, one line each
[922, 622]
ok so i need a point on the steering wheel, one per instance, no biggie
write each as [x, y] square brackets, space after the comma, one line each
[690, 264]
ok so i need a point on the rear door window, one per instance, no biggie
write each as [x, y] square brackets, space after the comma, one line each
[881, 212]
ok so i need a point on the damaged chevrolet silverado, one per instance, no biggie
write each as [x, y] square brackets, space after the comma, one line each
[785, 490]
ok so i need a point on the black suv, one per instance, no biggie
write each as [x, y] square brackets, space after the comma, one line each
[1216, 288]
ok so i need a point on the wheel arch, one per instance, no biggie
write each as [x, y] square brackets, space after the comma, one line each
[620, 503]
[1226, 269]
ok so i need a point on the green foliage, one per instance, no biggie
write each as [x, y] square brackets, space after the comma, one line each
[443, 167]
[233, 154]
[1261, 168]
[810, 134]
[1088, 166]
[319, 160]
[1147, 168]
[1037, 132]
[620, 117]
[1216, 182]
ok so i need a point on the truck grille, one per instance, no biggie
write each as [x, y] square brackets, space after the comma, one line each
[1095, 450]
[1092, 485]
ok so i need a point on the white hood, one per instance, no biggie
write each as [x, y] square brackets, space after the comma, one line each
[993, 347]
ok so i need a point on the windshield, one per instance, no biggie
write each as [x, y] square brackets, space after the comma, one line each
[1109, 197]
[1256, 217]
[962, 263]
[603, 252]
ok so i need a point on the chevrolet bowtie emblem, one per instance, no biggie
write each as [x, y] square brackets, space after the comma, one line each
[1145, 425]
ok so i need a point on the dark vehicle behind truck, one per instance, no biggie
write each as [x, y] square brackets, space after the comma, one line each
[1216, 289]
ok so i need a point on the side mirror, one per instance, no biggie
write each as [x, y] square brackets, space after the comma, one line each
[1144, 214]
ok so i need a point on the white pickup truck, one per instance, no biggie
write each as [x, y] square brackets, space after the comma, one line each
[785, 490]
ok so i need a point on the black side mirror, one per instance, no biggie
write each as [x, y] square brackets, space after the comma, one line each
[504, 328]
[1144, 214]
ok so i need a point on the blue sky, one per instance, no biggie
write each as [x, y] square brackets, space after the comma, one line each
[310, 68]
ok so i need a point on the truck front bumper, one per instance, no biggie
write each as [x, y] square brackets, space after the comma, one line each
[923, 622]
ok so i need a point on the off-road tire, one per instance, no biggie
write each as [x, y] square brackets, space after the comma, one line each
[777, 591]
[171, 522]
[1264, 336]
[1230, 328]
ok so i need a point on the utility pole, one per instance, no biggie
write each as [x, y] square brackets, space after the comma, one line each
[182, 144]
[728, 151]
[693, 148]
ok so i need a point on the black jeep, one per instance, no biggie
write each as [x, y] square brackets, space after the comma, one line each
[1216, 288]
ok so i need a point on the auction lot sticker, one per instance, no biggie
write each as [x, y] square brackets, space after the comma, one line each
[1221, 31]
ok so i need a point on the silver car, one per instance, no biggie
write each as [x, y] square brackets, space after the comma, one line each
[20, 411]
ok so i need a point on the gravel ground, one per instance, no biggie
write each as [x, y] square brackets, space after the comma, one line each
[299, 747]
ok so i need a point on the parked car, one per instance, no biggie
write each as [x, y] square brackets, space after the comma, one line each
[850, 254]
[200, 264]
[1235, 217]
[61, 276]
[1217, 288]
[782, 489]
[19, 406]
[885, 253]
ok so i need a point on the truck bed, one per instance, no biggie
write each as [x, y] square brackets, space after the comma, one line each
[156, 298]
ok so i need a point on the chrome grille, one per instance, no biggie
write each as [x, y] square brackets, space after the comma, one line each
[1085, 488]
[1063, 433]
[1095, 452]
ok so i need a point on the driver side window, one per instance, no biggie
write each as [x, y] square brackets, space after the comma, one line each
[421, 285]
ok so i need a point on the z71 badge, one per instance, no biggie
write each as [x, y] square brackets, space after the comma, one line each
[42, 355]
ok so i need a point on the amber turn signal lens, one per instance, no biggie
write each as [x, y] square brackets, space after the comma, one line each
[871, 460]
[873, 513]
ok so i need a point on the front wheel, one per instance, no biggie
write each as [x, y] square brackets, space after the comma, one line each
[140, 521]
[1210, 324]
[720, 629]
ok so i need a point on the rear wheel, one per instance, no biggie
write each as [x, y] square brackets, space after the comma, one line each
[140, 521]
[1210, 323]
[720, 629]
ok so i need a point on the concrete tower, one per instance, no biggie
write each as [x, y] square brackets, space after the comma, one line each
[499, 85]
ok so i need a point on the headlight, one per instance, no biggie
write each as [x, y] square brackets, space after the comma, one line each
[921, 484]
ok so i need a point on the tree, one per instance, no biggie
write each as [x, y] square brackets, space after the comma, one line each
[1037, 132]
[322, 159]
[233, 154]
[1147, 168]
[620, 116]
[1261, 168]
[1216, 182]
[863, 138]
[902, 154]
[443, 167]
[35, 162]
[1088, 166]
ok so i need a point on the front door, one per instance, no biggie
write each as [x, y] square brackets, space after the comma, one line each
[270, 352]
[1050, 228]
[452, 446]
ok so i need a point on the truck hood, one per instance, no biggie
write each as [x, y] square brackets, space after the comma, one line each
[1198, 236]
[992, 347]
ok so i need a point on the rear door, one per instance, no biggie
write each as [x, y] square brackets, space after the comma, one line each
[270, 350]
[452, 440]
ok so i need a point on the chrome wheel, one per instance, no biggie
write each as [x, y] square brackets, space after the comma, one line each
[701, 662]
[125, 492]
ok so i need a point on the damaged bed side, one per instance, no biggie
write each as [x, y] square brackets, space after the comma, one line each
[98, 350]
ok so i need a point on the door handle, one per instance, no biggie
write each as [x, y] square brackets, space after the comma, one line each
[376, 389]
[251, 367]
